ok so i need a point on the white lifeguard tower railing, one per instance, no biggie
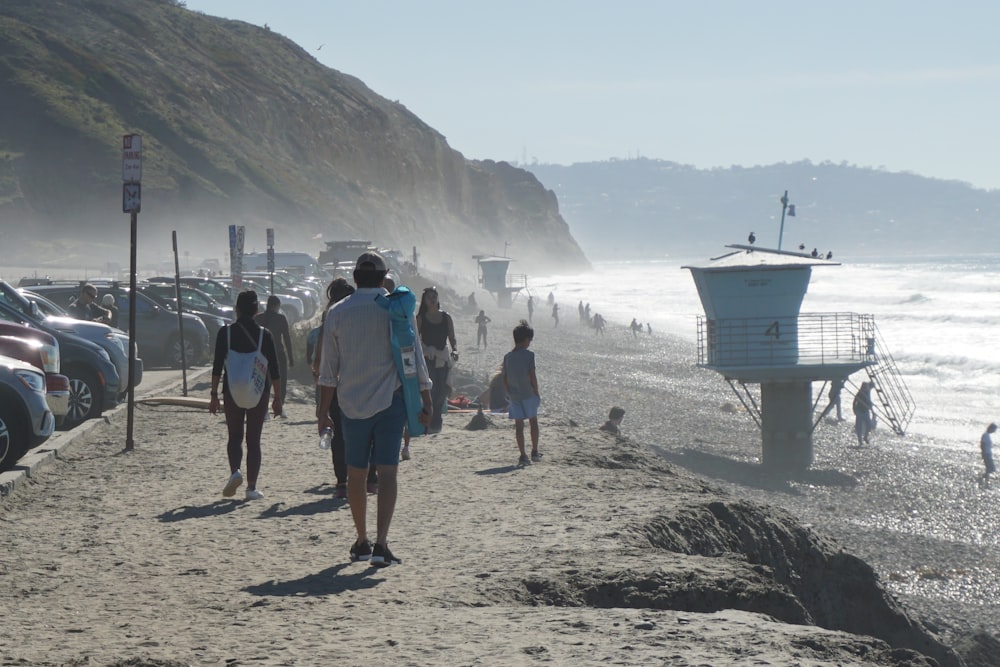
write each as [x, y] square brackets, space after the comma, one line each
[493, 278]
[753, 334]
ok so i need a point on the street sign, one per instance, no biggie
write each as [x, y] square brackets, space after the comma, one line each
[270, 260]
[270, 236]
[131, 197]
[132, 158]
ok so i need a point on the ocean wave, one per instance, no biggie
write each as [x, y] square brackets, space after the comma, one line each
[940, 365]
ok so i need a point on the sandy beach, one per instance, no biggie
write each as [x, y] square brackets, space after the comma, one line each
[113, 558]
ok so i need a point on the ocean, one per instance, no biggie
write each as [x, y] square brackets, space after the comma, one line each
[938, 316]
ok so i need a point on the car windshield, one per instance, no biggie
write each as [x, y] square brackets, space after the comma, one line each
[12, 298]
[47, 308]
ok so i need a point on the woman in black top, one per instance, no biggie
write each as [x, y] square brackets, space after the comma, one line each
[436, 330]
[243, 336]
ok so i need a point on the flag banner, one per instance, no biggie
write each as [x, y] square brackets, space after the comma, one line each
[791, 210]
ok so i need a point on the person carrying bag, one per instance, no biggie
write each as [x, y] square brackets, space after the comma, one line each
[244, 358]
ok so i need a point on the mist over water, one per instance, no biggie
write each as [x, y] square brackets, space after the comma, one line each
[938, 316]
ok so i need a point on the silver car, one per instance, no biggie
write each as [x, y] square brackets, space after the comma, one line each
[114, 341]
[25, 419]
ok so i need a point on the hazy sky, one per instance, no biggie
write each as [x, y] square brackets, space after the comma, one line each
[904, 85]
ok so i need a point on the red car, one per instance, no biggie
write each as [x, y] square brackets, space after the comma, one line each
[41, 350]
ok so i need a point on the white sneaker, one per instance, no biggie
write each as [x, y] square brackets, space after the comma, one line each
[254, 494]
[234, 482]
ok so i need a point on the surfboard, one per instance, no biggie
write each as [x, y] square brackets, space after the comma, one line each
[185, 401]
[400, 305]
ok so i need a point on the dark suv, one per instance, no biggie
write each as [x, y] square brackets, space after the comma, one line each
[157, 331]
[208, 310]
[93, 378]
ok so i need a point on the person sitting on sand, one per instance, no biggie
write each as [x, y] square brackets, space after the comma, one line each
[522, 389]
[986, 447]
[615, 417]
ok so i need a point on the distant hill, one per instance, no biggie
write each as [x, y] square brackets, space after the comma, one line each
[240, 125]
[651, 208]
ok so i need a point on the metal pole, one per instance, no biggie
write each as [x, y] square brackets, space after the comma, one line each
[180, 316]
[784, 205]
[129, 441]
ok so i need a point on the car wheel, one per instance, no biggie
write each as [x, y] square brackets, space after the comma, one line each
[191, 355]
[12, 437]
[85, 398]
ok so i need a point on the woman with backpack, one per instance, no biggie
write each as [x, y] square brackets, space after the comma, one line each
[245, 339]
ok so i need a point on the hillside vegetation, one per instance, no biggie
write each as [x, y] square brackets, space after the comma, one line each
[240, 126]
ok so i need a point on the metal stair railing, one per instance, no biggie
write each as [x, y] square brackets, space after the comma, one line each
[895, 403]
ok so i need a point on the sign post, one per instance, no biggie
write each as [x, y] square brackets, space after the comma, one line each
[270, 255]
[180, 315]
[131, 203]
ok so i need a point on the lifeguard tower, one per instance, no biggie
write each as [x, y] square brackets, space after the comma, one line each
[753, 333]
[494, 279]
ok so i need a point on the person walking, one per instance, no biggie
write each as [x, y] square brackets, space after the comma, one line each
[986, 448]
[521, 384]
[274, 321]
[836, 386]
[862, 406]
[531, 307]
[244, 336]
[555, 314]
[338, 289]
[358, 365]
[482, 320]
[436, 331]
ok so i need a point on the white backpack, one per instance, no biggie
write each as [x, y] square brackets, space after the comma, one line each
[246, 373]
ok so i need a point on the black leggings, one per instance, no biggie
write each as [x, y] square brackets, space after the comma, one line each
[254, 420]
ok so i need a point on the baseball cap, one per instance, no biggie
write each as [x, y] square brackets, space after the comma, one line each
[373, 259]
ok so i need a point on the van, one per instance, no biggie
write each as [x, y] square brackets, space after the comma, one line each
[299, 263]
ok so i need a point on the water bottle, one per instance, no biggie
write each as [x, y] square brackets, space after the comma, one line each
[325, 438]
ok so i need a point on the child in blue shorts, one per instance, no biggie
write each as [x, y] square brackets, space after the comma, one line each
[522, 390]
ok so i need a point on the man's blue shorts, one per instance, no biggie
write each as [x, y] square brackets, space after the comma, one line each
[525, 409]
[382, 432]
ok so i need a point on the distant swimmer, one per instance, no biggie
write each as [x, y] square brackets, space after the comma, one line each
[829, 254]
[802, 247]
[752, 238]
[815, 252]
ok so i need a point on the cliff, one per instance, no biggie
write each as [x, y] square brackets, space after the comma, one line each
[240, 126]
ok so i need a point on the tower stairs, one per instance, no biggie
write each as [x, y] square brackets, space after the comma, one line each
[893, 402]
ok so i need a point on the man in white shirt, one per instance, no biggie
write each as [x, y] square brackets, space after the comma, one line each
[358, 364]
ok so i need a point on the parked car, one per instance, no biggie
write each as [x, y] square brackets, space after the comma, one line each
[93, 378]
[113, 340]
[285, 282]
[41, 350]
[212, 313]
[210, 286]
[157, 330]
[291, 305]
[25, 418]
